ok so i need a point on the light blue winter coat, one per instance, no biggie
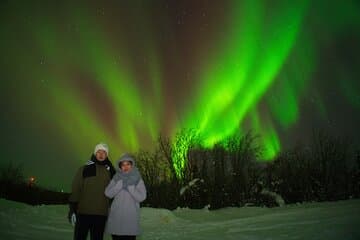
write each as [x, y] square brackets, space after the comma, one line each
[124, 215]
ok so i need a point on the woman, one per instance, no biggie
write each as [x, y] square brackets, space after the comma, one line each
[128, 190]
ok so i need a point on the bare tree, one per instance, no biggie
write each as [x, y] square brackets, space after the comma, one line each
[165, 147]
[331, 155]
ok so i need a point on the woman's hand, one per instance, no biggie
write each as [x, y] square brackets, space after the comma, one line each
[133, 180]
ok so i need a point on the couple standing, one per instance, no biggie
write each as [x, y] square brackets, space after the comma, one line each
[94, 185]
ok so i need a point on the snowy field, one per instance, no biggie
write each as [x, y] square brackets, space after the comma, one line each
[330, 220]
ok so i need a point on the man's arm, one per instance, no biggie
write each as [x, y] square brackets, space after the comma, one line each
[76, 187]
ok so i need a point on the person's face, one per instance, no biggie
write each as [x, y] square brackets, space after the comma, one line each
[126, 166]
[101, 155]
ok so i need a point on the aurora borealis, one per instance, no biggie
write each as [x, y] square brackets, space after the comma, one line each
[124, 71]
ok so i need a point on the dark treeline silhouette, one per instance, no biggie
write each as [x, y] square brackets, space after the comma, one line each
[228, 174]
[13, 186]
[233, 174]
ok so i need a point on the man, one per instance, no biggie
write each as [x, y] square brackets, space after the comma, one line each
[88, 203]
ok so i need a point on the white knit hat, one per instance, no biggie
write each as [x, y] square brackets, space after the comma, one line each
[102, 146]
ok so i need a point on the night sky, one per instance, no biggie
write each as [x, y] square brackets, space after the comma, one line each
[121, 72]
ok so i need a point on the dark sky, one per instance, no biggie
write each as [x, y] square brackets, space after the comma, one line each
[75, 74]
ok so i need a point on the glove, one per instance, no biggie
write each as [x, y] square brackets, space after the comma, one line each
[117, 177]
[119, 184]
[124, 183]
[73, 219]
[72, 213]
[133, 180]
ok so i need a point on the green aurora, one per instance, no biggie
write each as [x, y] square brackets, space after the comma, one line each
[101, 72]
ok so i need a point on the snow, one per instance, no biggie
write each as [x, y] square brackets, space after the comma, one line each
[328, 220]
[189, 185]
[278, 199]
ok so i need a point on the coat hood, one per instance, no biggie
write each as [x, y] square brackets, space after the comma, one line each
[125, 157]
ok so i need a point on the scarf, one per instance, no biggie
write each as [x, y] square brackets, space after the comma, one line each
[90, 168]
[130, 178]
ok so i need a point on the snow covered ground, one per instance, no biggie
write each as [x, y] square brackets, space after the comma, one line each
[330, 220]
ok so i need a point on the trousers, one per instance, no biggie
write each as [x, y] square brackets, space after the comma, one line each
[95, 224]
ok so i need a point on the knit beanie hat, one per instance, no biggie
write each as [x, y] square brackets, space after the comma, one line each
[102, 146]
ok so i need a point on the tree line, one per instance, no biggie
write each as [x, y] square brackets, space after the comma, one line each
[231, 173]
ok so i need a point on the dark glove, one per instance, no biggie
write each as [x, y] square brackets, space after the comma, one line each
[133, 180]
[116, 177]
[72, 212]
